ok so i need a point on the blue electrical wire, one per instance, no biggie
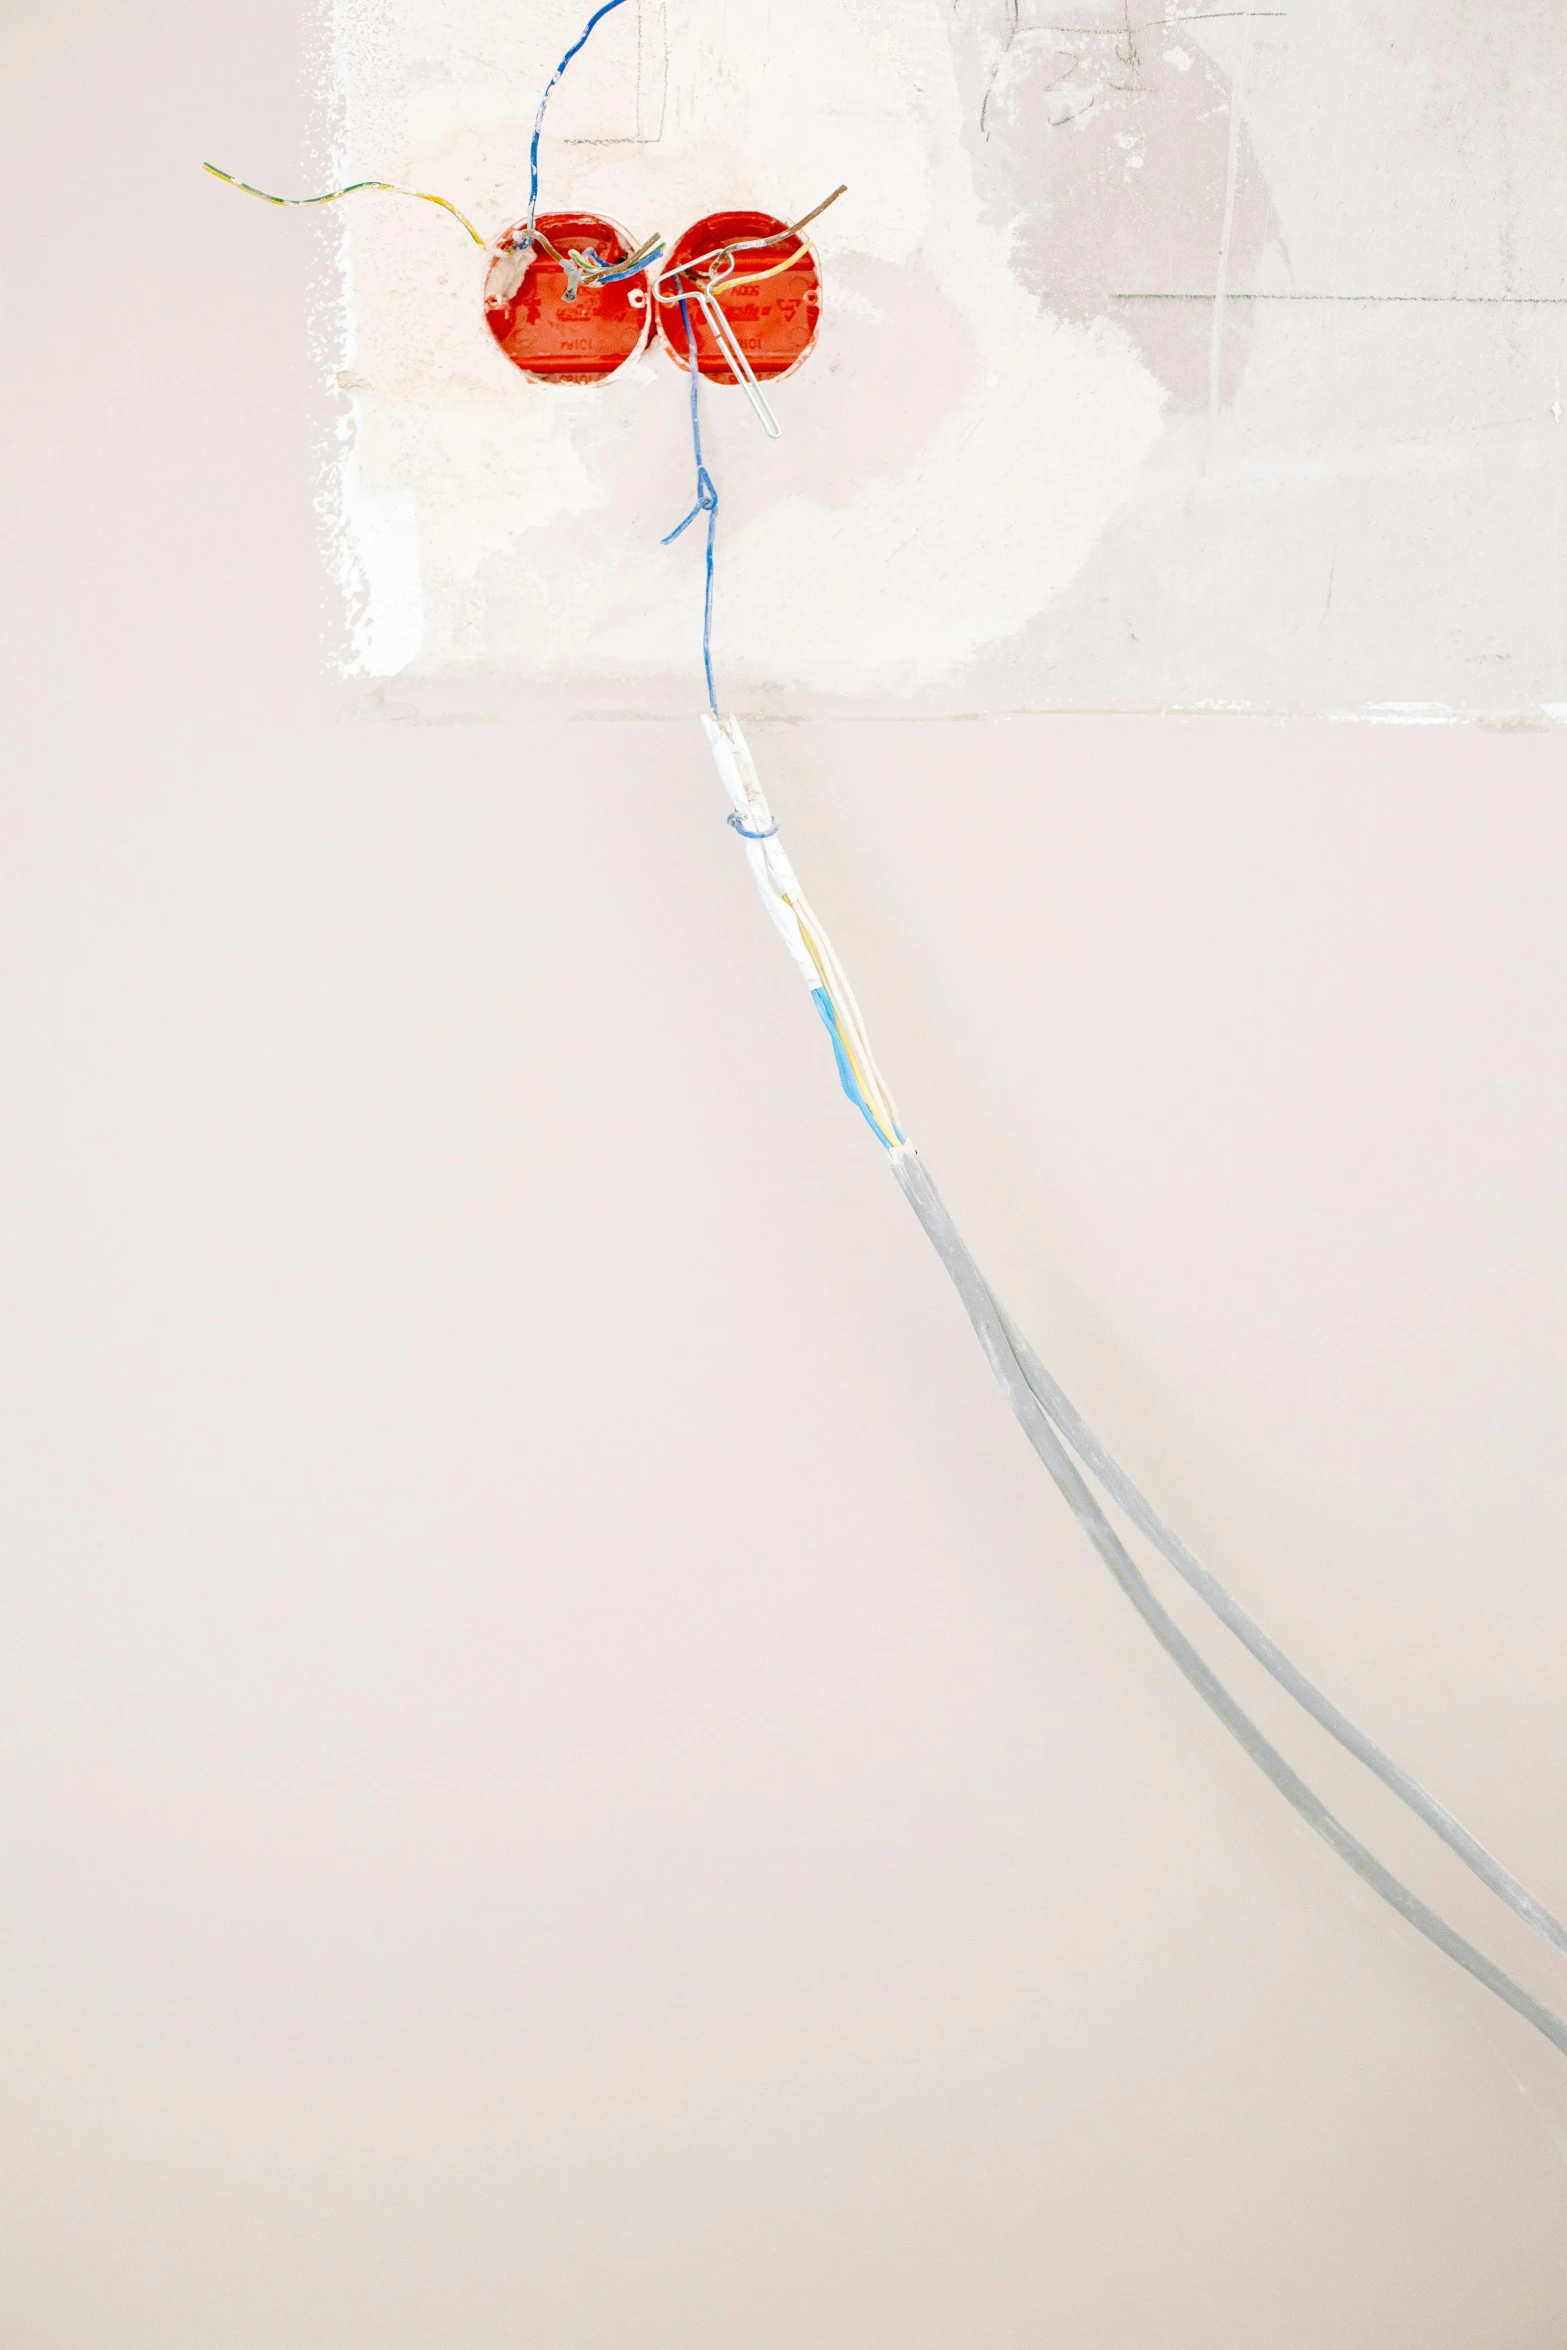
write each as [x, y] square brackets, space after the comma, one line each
[612, 277]
[538, 121]
[846, 1077]
[706, 503]
[706, 493]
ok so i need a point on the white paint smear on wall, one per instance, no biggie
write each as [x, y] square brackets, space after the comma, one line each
[1218, 371]
[951, 450]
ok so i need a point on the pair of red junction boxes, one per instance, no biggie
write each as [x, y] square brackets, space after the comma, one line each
[561, 321]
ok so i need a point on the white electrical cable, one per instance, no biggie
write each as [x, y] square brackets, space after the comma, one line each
[1269, 1655]
[804, 936]
[770, 868]
[1047, 1417]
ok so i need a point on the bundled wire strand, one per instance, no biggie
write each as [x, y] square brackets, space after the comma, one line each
[1057, 1432]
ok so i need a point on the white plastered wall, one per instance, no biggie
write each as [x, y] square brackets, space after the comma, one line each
[1206, 362]
[564, 1779]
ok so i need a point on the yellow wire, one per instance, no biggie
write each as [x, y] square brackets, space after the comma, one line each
[871, 1093]
[726, 284]
[745, 244]
[336, 195]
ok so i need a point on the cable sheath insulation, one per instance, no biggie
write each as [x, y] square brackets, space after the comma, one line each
[991, 1330]
[1269, 1655]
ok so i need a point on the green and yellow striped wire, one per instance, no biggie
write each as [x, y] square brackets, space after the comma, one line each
[336, 195]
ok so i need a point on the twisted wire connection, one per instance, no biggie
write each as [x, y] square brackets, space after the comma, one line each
[775, 236]
[650, 250]
[1052, 1425]
[722, 281]
[580, 263]
[583, 266]
[336, 195]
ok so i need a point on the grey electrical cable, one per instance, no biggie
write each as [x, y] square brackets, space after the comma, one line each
[1211, 1591]
[983, 1312]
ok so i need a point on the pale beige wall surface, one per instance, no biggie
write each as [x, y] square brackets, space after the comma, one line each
[564, 1780]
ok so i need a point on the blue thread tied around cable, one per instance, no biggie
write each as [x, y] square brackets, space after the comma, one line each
[744, 830]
